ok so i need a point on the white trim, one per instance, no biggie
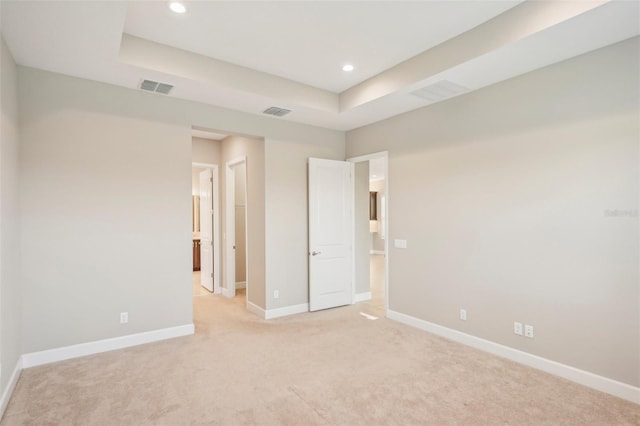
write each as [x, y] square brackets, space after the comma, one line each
[229, 289]
[367, 157]
[11, 386]
[376, 251]
[255, 309]
[278, 312]
[287, 310]
[75, 351]
[204, 165]
[585, 378]
[241, 284]
[217, 287]
[361, 297]
[236, 161]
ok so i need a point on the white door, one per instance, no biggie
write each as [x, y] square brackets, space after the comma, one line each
[330, 233]
[206, 229]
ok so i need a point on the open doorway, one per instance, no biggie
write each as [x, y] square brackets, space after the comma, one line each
[205, 219]
[370, 229]
[377, 232]
[205, 202]
[237, 281]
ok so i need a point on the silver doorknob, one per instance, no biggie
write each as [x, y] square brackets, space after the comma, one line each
[315, 253]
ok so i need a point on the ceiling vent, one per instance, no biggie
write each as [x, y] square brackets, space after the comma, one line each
[154, 86]
[440, 91]
[278, 112]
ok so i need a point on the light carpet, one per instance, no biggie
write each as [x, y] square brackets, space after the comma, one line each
[333, 367]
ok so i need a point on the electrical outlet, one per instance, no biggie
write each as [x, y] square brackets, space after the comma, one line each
[463, 314]
[124, 317]
[528, 331]
[276, 294]
[517, 328]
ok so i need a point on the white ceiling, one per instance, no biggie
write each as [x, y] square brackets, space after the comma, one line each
[306, 41]
[251, 55]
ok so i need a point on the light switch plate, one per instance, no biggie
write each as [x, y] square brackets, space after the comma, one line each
[401, 244]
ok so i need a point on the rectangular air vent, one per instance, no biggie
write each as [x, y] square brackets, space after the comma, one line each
[439, 91]
[154, 86]
[278, 112]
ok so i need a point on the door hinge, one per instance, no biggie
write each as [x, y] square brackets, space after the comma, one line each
[212, 275]
[211, 180]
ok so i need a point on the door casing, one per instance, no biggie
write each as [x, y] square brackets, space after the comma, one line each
[367, 157]
[229, 289]
[217, 289]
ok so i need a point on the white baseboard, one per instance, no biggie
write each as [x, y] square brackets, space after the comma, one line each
[287, 310]
[241, 284]
[11, 386]
[376, 251]
[278, 312]
[361, 297]
[585, 378]
[228, 293]
[75, 351]
[253, 308]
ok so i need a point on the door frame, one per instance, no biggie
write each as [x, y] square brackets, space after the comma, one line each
[314, 163]
[229, 289]
[359, 159]
[217, 288]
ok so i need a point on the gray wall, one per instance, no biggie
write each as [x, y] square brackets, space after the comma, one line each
[362, 243]
[505, 196]
[287, 244]
[10, 285]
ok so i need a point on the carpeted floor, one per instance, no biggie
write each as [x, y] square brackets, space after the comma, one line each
[333, 367]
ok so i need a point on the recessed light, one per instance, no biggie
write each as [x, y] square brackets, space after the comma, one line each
[347, 68]
[177, 7]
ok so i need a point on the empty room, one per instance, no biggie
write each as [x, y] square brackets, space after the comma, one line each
[320, 212]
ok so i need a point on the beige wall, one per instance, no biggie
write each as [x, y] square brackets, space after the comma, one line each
[234, 147]
[106, 213]
[286, 211]
[205, 151]
[240, 222]
[10, 283]
[195, 180]
[113, 168]
[505, 197]
[362, 243]
[377, 243]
